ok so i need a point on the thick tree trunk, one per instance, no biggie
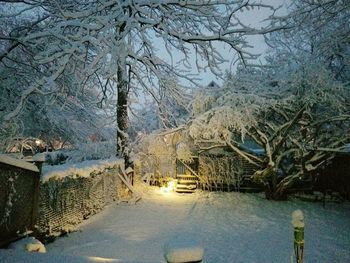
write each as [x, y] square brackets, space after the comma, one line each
[123, 143]
[123, 149]
[268, 176]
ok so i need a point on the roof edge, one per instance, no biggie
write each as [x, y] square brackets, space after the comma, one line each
[18, 163]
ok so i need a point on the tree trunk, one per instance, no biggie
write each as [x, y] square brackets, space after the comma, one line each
[268, 177]
[123, 149]
[274, 190]
[123, 143]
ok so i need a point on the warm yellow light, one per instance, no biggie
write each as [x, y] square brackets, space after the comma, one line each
[164, 189]
[171, 185]
[98, 259]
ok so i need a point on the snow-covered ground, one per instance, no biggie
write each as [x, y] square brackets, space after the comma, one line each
[231, 227]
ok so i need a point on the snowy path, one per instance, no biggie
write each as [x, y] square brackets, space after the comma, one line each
[232, 227]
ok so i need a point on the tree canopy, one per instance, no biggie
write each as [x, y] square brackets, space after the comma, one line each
[73, 47]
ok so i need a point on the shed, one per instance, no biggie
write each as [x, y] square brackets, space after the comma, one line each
[19, 189]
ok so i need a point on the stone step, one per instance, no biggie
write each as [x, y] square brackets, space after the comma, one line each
[191, 177]
[183, 181]
[184, 191]
[186, 186]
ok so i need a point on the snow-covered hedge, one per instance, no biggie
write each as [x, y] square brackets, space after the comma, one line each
[82, 152]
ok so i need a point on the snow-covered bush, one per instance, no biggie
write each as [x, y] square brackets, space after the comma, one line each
[56, 158]
[92, 151]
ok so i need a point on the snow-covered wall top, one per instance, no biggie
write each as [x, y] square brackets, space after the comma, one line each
[83, 169]
[18, 163]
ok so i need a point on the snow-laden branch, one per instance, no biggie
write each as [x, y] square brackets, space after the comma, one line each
[35, 88]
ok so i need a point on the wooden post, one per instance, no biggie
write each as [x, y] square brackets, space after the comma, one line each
[35, 208]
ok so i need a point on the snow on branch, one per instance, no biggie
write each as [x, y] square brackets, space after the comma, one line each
[188, 26]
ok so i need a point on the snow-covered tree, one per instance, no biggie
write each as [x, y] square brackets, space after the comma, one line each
[116, 45]
[169, 111]
[300, 122]
[318, 33]
[295, 107]
[33, 103]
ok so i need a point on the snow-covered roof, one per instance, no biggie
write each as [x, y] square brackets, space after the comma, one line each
[18, 163]
[213, 85]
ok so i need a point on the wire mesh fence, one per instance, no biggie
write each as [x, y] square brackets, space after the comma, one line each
[54, 206]
[65, 202]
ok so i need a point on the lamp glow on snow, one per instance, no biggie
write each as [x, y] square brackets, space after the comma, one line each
[170, 186]
[298, 224]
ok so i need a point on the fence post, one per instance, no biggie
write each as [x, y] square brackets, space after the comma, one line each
[298, 224]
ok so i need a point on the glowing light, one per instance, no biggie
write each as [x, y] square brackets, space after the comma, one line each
[98, 259]
[171, 185]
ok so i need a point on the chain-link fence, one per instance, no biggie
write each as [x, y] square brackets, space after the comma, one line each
[54, 206]
[65, 202]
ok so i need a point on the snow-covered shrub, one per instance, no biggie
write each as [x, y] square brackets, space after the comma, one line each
[56, 158]
[92, 151]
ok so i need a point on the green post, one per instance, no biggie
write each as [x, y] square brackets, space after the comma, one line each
[298, 224]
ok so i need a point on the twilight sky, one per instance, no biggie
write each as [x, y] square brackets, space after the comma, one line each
[253, 18]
